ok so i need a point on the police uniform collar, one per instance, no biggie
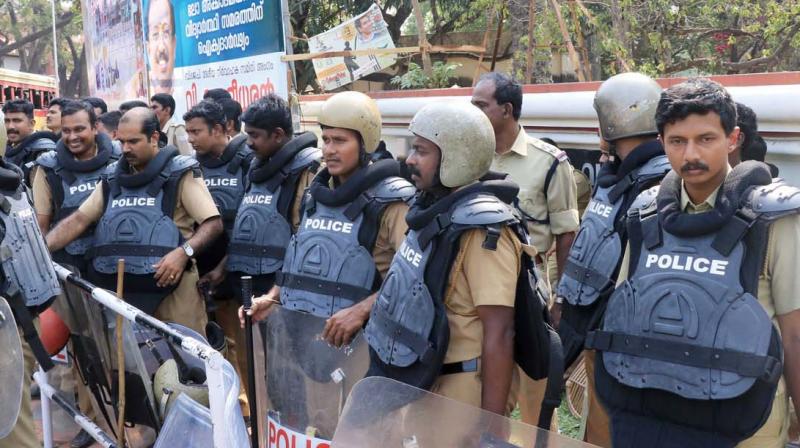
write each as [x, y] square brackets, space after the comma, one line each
[156, 165]
[209, 161]
[419, 215]
[611, 173]
[520, 145]
[730, 195]
[12, 151]
[356, 184]
[67, 161]
[263, 170]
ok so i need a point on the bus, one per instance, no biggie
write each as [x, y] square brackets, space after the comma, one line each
[38, 89]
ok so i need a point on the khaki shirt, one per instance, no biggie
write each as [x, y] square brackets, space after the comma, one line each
[527, 163]
[177, 136]
[194, 205]
[780, 279]
[42, 195]
[479, 277]
[584, 190]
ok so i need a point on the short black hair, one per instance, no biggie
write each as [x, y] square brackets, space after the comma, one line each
[98, 103]
[756, 150]
[73, 107]
[150, 122]
[24, 106]
[506, 90]
[268, 113]
[165, 100]
[128, 105]
[233, 112]
[696, 96]
[209, 111]
[216, 94]
[57, 101]
[110, 120]
[748, 123]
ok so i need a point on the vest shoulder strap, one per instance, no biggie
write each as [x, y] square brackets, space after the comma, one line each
[656, 167]
[47, 159]
[305, 158]
[775, 200]
[180, 164]
[393, 189]
[645, 203]
[483, 210]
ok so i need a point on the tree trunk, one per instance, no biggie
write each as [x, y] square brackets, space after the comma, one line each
[573, 55]
[530, 57]
[427, 68]
[620, 27]
[517, 26]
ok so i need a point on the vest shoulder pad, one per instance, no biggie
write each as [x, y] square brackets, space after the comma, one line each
[776, 199]
[110, 169]
[656, 167]
[116, 150]
[181, 164]
[645, 201]
[47, 160]
[42, 144]
[393, 189]
[305, 158]
[483, 210]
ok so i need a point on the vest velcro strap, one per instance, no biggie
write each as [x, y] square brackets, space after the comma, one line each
[651, 231]
[357, 206]
[492, 235]
[277, 180]
[319, 286]
[236, 162]
[460, 367]
[155, 186]
[131, 250]
[767, 368]
[733, 231]
[621, 187]
[587, 276]
[436, 226]
[419, 345]
[254, 250]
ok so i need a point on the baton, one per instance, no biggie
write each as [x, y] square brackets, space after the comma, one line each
[120, 360]
[247, 297]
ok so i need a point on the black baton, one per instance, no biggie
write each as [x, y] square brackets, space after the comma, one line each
[247, 302]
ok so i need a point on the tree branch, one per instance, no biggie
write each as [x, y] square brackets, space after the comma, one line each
[60, 23]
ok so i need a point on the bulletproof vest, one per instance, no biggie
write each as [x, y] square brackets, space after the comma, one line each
[262, 228]
[329, 264]
[27, 266]
[407, 330]
[137, 223]
[684, 338]
[225, 178]
[24, 154]
[72, 181]
[597, 250]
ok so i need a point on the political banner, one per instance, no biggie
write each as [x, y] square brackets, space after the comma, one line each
[363, 32]
[114, 50]
[197, 45]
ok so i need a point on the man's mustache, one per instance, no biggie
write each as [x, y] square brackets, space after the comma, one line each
[413, 171]
[694, 166]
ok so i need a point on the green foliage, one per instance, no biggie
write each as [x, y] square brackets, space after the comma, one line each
[415, 77]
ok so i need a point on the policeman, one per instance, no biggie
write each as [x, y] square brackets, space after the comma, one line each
[625, 106]
[233, 115]
[24, 144]
[548, 194]
[224, 165]
[353, 223]
[30, 284]
[710, 266]
[456, 272]
[163, 105]
[146, 210]
[283, 168]
[53, 118]
[751, 145]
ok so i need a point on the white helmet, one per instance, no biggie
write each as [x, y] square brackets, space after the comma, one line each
[354, 111]
[464, 136]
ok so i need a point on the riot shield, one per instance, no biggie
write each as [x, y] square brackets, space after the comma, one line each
[12, 370]
[302, 382]
[381, 412]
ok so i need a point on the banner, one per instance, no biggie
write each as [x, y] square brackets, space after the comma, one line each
[363, 32]
[197, 45]
[114, 50]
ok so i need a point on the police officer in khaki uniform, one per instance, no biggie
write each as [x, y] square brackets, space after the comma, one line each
[163, 105]
[548, 194]
[697, 124]
[195, 221]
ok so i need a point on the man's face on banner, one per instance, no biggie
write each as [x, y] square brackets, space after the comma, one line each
[161, 45]
[364, 24]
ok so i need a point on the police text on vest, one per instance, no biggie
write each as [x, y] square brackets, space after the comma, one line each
[133, 202]
[83, 188]
[328, 224]
[410, 254]
[258, 199]
[598, 208]
[222, 182]
[687, 263]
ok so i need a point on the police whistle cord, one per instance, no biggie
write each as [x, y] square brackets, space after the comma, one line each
[86, 424]
[120, 359]
[211, 358]
[247, 297]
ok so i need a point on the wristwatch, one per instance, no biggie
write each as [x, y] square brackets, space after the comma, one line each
[188, 249]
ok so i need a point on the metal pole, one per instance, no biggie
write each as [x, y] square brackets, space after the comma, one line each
[55, 47]
[247, 298]
[47, 416]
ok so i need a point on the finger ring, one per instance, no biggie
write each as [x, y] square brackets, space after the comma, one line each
[172, 277]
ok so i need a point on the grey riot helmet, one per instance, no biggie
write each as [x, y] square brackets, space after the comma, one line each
[464, 136]
[626, 106]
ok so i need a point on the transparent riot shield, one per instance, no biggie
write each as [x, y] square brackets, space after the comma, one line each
[12, 369]
[381, 412]
[302, 382]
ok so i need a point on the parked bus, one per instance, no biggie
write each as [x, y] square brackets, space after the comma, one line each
[38, 89]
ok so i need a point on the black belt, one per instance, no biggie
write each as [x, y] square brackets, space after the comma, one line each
[460, 367]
